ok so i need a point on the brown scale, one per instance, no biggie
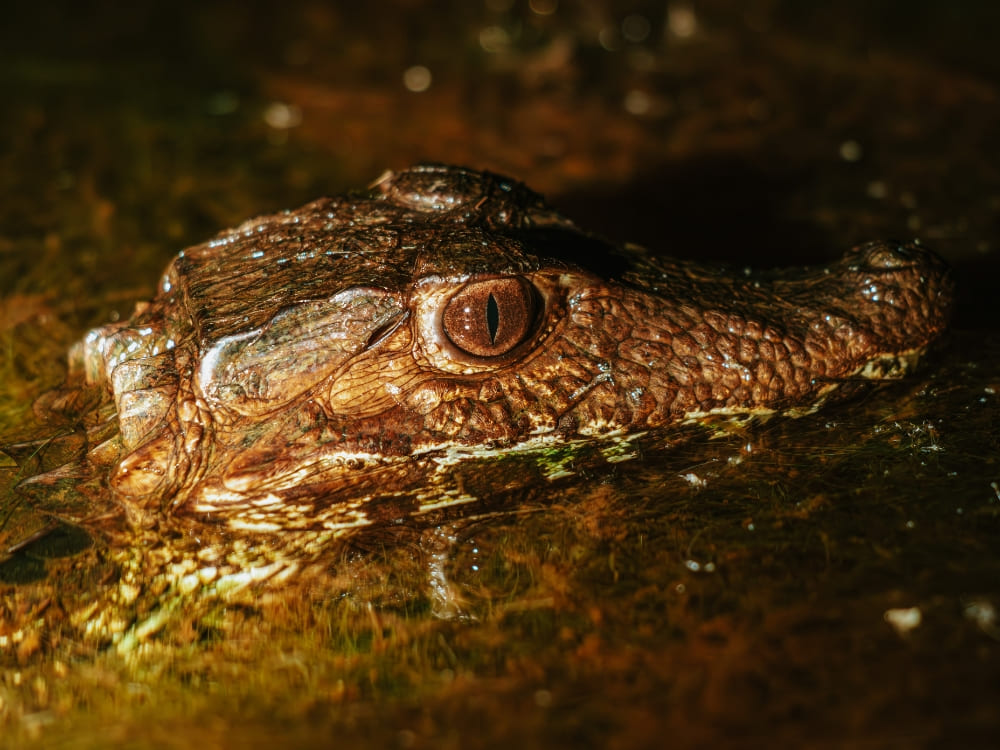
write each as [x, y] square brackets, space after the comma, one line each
[320, 353]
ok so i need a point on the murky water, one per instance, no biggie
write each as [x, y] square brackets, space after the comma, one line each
[828, 580]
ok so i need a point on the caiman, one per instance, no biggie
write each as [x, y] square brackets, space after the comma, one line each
[288, 371]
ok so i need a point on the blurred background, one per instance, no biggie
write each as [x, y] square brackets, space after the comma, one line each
[764, 131]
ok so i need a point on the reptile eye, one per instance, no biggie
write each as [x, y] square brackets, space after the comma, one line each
[489, 318]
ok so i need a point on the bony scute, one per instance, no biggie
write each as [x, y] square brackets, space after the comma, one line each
[450, 309]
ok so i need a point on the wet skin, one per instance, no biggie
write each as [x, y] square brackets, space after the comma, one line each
[451, 309]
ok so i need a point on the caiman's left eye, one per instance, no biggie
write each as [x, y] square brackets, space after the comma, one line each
[489, 318]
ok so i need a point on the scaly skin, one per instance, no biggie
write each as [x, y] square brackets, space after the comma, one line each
[292, 371]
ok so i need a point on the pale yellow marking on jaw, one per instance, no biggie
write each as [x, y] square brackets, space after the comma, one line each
[881, 367]
[615, 446]
[446, 500]
[897, 365]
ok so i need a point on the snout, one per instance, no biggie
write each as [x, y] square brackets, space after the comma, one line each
[905, 291]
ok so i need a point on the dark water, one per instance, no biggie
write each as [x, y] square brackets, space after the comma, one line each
[825, 581]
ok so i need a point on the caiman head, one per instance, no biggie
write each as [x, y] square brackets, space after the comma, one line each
[288, 370]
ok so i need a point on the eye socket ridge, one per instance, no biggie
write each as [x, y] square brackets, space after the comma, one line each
[491, 317]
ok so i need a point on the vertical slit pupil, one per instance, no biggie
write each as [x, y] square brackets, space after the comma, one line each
[492, 318]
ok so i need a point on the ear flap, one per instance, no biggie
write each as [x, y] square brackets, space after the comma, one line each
[255, 372]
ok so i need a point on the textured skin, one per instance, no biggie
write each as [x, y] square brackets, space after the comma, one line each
[283, 356]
